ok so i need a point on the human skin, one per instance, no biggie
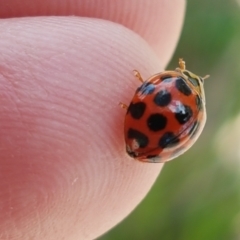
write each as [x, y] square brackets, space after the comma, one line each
[64, 173]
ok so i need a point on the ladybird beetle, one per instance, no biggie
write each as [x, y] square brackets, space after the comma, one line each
[166, 115]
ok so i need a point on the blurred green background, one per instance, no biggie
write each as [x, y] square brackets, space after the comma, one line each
[197, 195]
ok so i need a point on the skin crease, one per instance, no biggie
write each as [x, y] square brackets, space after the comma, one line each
[64, 173]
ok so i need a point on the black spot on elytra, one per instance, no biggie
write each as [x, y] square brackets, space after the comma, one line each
[168, 139]
[137, 109]
[183, 87]
[156, 122]
[198, 102]
[183, 113]
[162, 98]
[140, 138]
[193, 129]
[146, 88]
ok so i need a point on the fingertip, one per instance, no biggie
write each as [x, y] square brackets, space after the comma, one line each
[65, 79]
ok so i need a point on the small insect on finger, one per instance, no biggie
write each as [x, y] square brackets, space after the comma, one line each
[166, 115]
